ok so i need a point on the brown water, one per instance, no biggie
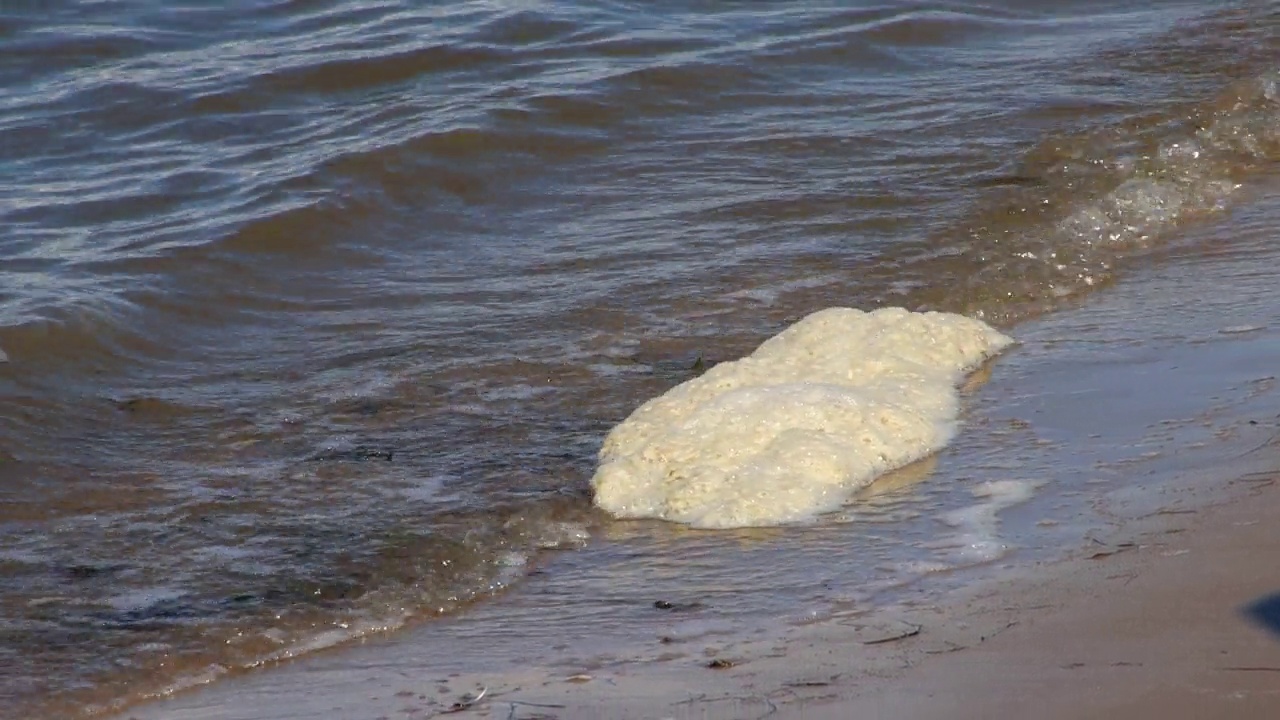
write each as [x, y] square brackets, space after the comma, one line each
[313, 314]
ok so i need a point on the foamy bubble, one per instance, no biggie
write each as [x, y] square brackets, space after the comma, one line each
[563, 534]
[977, 539]
[790, 431]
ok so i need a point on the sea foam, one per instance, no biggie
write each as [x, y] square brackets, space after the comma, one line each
[791, 430]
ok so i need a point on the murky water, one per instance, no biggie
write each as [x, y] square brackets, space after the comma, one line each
[313, 314]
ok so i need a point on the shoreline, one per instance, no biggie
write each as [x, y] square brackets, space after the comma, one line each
[1148, 613]
[1094, 621]
[1148, 489]
[1171, 616]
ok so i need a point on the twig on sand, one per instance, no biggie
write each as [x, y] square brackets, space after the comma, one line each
[807, 683]
[1168, 511]
[552, 706]
[1252, 668]
[1117, 549]
[1260, 479]
[511, 714]
[984, 638]
[911, 631]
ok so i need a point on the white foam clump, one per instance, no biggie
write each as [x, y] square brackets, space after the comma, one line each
[790, 431]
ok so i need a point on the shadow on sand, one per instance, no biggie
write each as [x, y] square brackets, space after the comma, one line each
[1265, 611]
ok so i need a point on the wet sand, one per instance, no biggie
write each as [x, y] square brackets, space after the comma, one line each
[1174, 616]
[1182, 622]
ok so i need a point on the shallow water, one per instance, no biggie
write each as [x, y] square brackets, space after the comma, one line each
[1110, 415]
[313, 314]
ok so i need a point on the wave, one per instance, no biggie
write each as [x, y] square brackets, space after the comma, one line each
[1083, 204]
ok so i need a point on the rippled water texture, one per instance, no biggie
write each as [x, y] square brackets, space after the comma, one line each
[313, 313]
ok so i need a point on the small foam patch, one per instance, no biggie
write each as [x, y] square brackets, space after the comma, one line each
[790, 431]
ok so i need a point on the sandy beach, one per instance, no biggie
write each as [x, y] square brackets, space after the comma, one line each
[1180, 622]
[1175, 617]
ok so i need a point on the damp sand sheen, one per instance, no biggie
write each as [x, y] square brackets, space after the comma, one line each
[796, 427]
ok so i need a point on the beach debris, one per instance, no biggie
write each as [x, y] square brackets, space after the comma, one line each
[466, 702]
[1168, 511]
[741, 702]
[679, 368]
[1113, 550]
[579, 678]
[677, 607]
[908, 630]
[811, 683]
[699, 365]
[357, 453]
[3, 357]
[516, 704]
[997, 631]
[1258, 479]
[721, 664]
